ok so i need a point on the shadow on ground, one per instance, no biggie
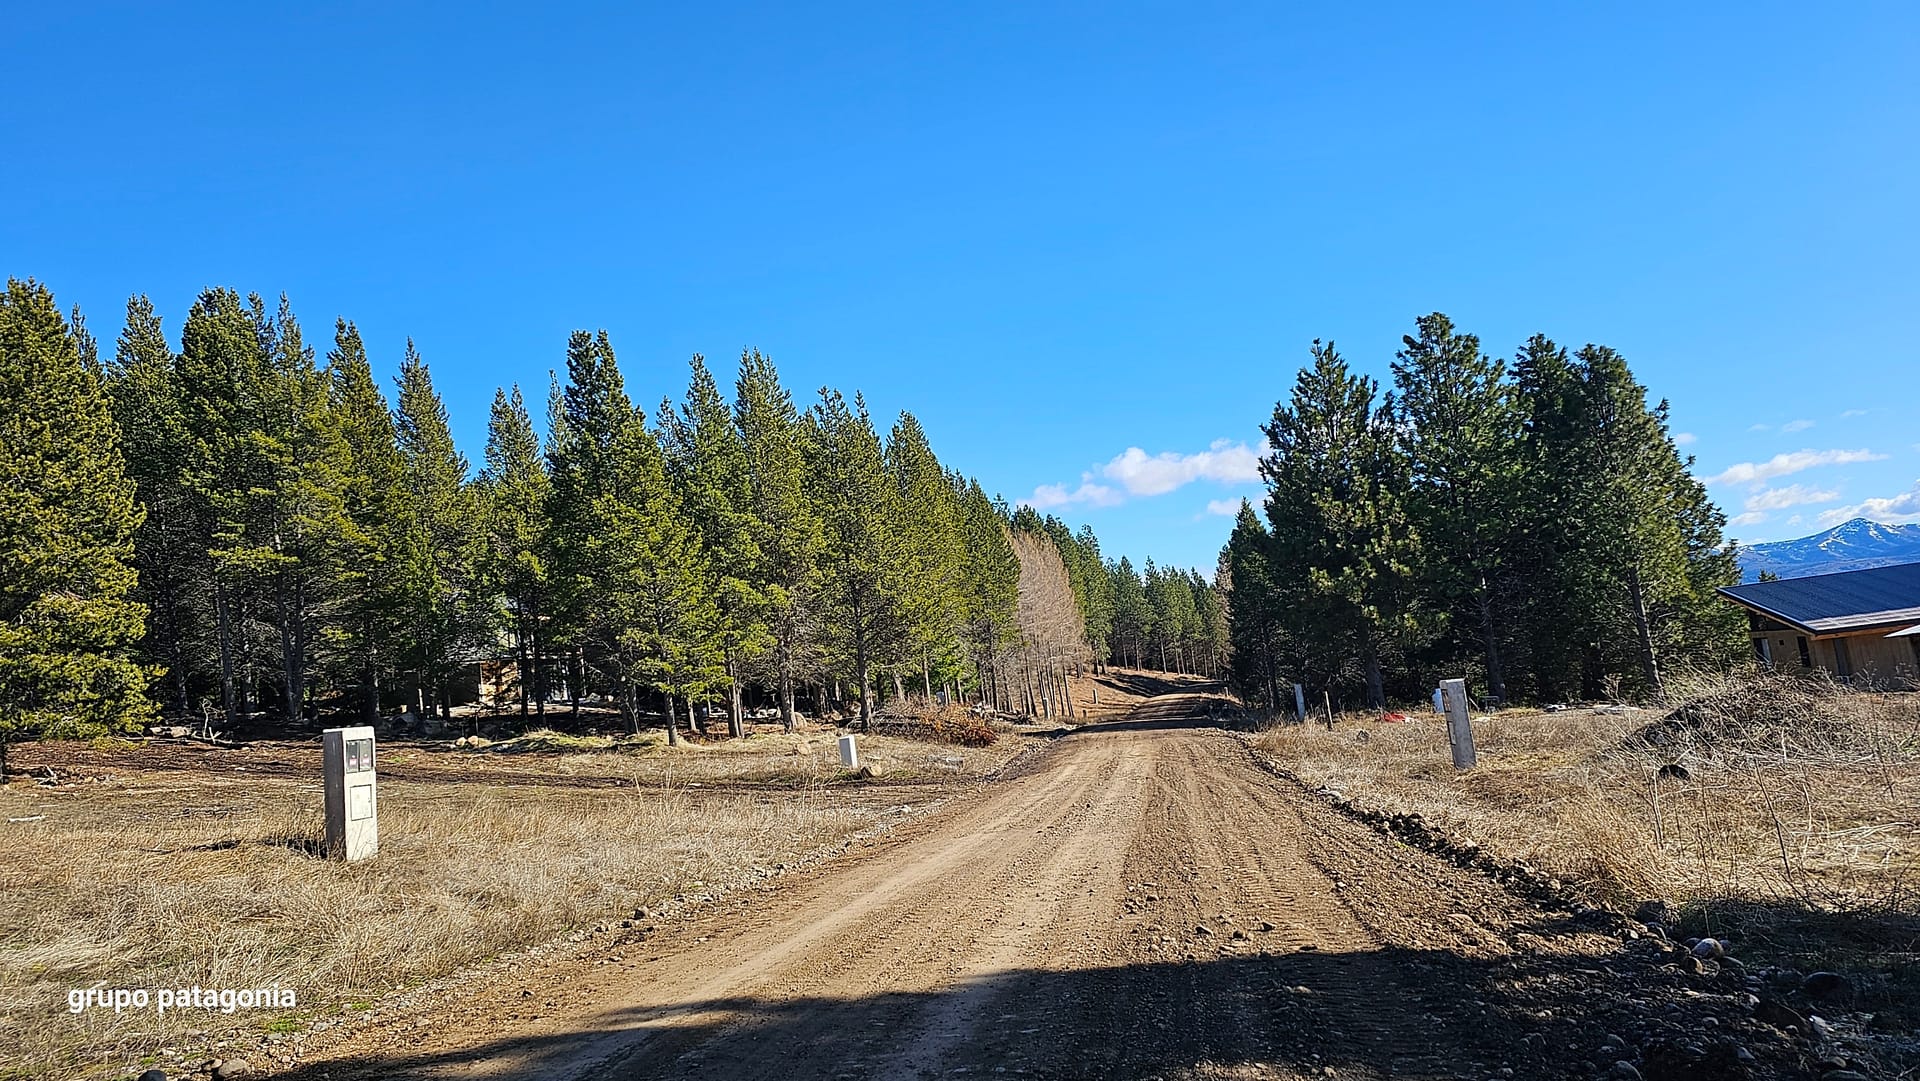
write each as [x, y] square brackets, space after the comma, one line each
[1373, 1014]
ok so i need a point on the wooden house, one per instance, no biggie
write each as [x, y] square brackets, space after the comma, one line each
[1860, 626]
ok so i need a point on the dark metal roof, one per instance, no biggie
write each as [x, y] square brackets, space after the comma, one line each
[1835, 603]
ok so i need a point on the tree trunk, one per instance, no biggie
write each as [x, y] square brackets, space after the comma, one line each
[225, 633]
[736, 718]
[861, 673]
[786, 696]
[1376, 690]
[525, 671]
[1643, 630]
[291, 668]
[673, 723]
[536, 650]
[1496, 674]
[176, 651]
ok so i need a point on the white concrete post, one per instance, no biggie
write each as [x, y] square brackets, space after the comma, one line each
[353, 824]
[1453, 694]
[849, 753]
[1300, 703]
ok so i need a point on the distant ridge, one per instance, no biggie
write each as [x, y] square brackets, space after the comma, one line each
[1850, 546]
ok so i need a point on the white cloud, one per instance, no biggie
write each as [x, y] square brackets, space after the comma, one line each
[1793, 495]
[1904, 507]
[1759, 428]
[1853, 413]
[1134, 472]
[1796, 426]
[1782, 464]
[1685, 439]
[1796, 519]
[1225, 462]
[1049, 496]
[1752, 517]
[1225, 507]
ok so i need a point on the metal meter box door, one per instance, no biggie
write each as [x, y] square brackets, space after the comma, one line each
[353, 825]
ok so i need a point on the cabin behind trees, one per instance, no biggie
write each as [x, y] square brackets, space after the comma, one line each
[1860, 626]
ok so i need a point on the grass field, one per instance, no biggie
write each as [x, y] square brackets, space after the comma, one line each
[175, 865]
[1788, 816]
[1784, 790]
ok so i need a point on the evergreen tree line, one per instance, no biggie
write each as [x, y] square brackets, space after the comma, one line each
[1532, 527]
[244, 527]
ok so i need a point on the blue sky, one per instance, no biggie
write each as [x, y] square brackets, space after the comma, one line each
[1087, 244]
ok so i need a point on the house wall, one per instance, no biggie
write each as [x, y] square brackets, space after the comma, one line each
[1873, 657]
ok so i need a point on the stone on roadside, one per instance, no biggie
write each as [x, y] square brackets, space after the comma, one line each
[1654, 911]
[1202, 930]
[232, 1069]
[1624, 1071]
[1826, 985]
[154, 1075]
[1779, 1016]
[1709, 948]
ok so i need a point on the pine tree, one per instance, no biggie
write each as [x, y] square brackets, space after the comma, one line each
[1623, 550]
[1460, 427]
[927, 524]
[587, 418]
[787, 531]
[68, 620]
[290, 541]
[1132, 617]
[383, 554]
[512, 494]
[1097, 602]
[222, 367]
[708, 465]
[1255, 602]
[990, 587]
[655, 623]
[1209, 647]
[1336, 506]
[1550, 546]
[446, 618]
[173, 570]
[865, 557]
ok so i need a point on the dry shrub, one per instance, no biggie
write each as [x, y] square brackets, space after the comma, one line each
[1776, 788]
[924, 718]
[176, 881]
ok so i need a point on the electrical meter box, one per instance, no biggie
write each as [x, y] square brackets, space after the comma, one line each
[353, 825]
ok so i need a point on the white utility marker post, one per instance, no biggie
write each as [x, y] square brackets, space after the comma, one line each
[1300, 703]
[849, 753]
[353, 826]
[1453, 695]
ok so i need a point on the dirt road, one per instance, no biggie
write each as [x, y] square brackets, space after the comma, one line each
[1142, 900]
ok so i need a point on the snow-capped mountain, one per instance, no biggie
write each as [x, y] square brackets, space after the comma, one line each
[1850, 546]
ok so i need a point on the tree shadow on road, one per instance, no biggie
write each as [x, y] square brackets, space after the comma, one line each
[1369, 1014]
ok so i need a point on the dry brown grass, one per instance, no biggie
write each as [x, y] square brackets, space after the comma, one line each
[794, 760]
[1796, 793]
[184, 879]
